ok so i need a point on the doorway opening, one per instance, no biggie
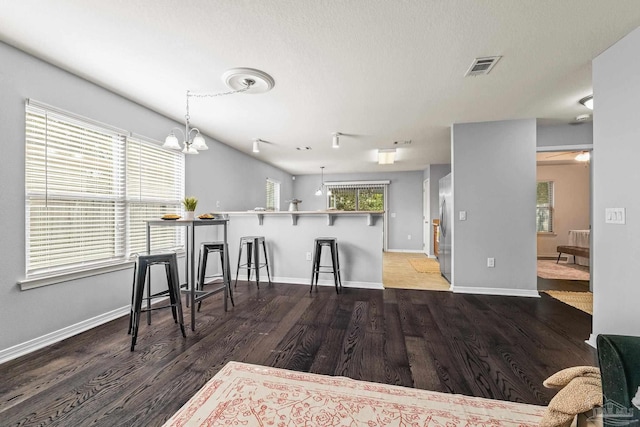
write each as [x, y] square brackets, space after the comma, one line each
[563, 219]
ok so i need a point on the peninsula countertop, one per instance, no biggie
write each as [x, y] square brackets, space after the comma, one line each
[330, 214]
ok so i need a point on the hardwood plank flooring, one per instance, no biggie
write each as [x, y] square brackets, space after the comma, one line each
[487, 346]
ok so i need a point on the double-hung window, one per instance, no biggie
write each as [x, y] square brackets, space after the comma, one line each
[273, 194]
[88, 189]
[544, 207]
[155, 186]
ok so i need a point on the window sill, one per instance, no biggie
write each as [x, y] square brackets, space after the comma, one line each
[38, 282]
[52, 279]
[546, 234]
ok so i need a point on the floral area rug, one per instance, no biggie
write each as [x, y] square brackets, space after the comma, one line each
[548, 269]
[249, 395]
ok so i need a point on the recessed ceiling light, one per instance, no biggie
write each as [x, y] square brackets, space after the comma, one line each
[303, 148]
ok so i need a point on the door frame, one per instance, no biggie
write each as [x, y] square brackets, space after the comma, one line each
[426, 218]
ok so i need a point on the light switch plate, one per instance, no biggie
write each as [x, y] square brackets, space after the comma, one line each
[615, 216]
[462, 215]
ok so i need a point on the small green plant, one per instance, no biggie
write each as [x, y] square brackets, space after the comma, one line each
[190, 203]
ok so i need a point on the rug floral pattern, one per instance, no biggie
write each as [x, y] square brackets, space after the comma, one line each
[249, 395]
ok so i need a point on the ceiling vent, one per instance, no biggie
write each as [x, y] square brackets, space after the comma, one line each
[482, 66]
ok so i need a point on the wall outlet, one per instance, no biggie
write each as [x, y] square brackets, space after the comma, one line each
[491, 262]
[462, 215]
[308, 256]
[409, 237]
[217, 203]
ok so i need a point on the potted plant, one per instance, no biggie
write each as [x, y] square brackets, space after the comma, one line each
[189, 204]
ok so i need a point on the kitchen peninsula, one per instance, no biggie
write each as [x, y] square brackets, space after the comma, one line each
[290, 238]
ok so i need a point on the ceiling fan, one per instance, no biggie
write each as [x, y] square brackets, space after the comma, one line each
[579, 156]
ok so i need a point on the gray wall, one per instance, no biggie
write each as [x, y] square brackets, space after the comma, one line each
[494, 179]
[405, 200]
[616, 133]
[565, 134]
[52, 308]
[228, 180]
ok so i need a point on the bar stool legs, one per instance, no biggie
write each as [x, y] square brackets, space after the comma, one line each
[334, 268]
[253, 250]
[173, 284]
[221, 248]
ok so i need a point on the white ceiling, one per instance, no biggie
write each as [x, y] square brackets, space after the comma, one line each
[377, 71]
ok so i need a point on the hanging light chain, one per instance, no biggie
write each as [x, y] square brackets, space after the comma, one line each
[247, 82]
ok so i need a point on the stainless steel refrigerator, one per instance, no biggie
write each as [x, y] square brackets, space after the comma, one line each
[446, 222]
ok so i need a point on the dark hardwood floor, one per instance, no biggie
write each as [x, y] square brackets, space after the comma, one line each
[488, 346]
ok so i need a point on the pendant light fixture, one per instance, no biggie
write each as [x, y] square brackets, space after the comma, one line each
[240, 80]
[321, 190]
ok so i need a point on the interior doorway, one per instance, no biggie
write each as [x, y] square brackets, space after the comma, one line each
[426, 218]
[563, 218]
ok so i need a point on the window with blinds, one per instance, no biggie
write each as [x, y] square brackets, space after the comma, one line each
[155, 186]
[544, 207]
[79, 208]
[356, 197]
[273, 194]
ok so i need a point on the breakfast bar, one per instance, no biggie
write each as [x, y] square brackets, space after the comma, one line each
[290, 235]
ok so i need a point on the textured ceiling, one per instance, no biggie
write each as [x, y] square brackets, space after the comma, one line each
[377, 71]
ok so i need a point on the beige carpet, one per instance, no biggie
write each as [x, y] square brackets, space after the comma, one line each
[548, 269]
[397, 273]
[425, 265]
[249, 395]
[580, 300]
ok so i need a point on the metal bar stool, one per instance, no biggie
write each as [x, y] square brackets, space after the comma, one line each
[252, 243]
[219, 247]
[334, 268]
[143, 263]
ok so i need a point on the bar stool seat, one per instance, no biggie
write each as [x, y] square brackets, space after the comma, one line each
[252, 243]
[143, 263]
[220, 248]
[334, 268]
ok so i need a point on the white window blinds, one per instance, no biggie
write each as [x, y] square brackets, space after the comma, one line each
[273, 194]
[155, 186]
[88, 190]
[74, 193]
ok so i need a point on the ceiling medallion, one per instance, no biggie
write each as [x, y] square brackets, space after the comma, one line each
[237, 78]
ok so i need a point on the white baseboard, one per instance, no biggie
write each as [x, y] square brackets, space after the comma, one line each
[592, 341]
[495, 291]
[407, 251]
[61, 334]
[321, 282]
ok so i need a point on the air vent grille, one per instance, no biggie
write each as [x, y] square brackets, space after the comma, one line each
[482, 66]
